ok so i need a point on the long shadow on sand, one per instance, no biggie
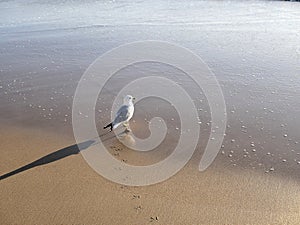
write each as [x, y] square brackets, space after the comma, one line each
[57, 155]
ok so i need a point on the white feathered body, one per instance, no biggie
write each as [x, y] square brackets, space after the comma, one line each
[123, 115]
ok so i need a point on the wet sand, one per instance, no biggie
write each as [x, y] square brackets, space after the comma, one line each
[256, 175]
[63, 189]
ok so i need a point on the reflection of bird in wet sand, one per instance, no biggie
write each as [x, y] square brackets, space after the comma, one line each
[124, 114]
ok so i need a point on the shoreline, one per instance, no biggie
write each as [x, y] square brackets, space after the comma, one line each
[47, 46]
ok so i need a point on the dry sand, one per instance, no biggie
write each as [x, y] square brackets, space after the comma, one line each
[68, 191]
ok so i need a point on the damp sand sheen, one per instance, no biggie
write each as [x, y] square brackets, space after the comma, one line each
[255, 177]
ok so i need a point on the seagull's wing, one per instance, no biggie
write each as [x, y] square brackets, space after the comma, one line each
[122, 115]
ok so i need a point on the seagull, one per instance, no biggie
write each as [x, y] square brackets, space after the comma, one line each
[124, 114]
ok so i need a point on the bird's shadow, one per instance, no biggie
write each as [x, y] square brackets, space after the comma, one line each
[59, 154]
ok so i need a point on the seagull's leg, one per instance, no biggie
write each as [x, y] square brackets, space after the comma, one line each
[127, 130]
[126, 124]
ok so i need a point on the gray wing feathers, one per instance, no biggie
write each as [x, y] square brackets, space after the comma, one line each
[122, 115]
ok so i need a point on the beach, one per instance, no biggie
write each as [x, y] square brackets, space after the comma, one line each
[68, 191]
[46, 49]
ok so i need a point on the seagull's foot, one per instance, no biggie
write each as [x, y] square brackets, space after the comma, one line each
[127, 130]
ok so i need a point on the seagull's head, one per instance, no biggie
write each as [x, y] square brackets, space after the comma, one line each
[128, 99]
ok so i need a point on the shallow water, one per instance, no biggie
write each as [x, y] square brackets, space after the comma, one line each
[252, 47]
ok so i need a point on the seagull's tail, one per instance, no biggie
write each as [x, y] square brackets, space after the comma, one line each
[109, 125]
